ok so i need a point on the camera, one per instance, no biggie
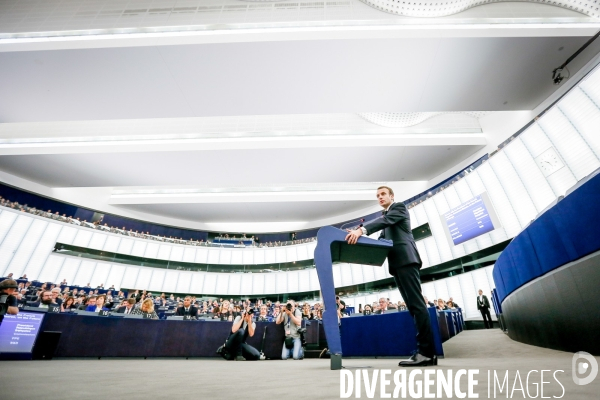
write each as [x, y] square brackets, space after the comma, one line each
[250, 312]
[288, 307]
[3, 306]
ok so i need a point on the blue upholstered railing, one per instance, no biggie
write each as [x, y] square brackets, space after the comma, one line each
[564, 233]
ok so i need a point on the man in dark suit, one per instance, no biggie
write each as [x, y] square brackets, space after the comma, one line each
[187, 308]
[483, 305]
[127, 308]
[404, 264]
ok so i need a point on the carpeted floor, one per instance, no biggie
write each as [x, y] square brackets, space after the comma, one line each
[133, 379]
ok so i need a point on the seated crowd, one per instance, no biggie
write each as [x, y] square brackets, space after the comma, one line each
[123, 231]
[86, 298]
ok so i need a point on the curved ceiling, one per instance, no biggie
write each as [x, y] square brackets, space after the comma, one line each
[441, 8]
[263, 116]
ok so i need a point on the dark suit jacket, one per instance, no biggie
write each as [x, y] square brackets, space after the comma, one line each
[193, 311]
[395, 226]
[121, 310]
[484, 304]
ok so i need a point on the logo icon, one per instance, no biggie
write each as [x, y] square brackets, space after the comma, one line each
[584, 364]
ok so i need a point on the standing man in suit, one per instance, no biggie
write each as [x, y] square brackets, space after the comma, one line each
[187, 308]
[483, 305]
[404, 264]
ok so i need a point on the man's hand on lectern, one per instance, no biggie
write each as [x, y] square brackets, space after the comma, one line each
[352, 236]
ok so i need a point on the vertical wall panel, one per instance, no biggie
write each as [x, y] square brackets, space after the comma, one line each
[112, 243]
[28, 245]
[83, 237]
[67, 234]
[222, 285]
[281, 282]
[115, 276]
[151, 250]
[346, 274]
[51, 268]
[143, 279]
[506, 213]
[201, 255]
[210, 283]
[569, 143]
[537, 187]
[125, 246]
[291, 254]
[258, 284]
[584, 115]
[259, 256]
[170, 281]
[237, 257]
[197, 283]
[185, 280]
[270, 284]
[225, 257]
[213, 256]
[12, 241]
[98, 240]
[469, 296]
[130, 277]
[139, 248]
[84, 273]
[189, 254]
[357, 274]
[157, 280]
[176, 253]
[235, 284]
[303, 280]
[302, 251]
[246, 284]
[337, 275]
[7, 219]
[280, 255]
[69, 269]
[511, 183]
[43, 250]
[441, 289]
[292, 281]
[248, 257]
[164, 251]
[100, 274]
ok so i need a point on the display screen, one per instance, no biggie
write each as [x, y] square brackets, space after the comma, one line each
[469, 220]
[18, 332]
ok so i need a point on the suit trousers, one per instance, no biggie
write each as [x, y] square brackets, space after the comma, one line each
[487, 317]
[409, 283]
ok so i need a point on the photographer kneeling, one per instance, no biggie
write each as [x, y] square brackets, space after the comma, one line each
[236, 345]
[292, 320]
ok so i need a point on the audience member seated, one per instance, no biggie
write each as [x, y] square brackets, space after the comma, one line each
[23, 277]
[87, 302]
[147, 308]
[306, 314]
[127, 307]
[383, 306]
[68, 305]
[368, 310]
[441, 306]
[99, 304]
[263, 315]
[454, 305]
[55, 296]
[226, 312]
[44, 301]
[187, 309]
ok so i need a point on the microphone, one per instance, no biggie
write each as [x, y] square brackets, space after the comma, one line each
[351, 222]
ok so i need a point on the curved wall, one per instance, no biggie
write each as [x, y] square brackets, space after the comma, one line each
[547, 277]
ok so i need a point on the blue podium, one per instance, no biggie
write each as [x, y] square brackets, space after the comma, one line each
[332, 247]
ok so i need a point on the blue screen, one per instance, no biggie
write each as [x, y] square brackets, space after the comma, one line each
[18, 332]
[468, 220]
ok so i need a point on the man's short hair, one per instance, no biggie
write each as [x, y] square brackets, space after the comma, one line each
[9, 284]
[390, 191]
[188, 298]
